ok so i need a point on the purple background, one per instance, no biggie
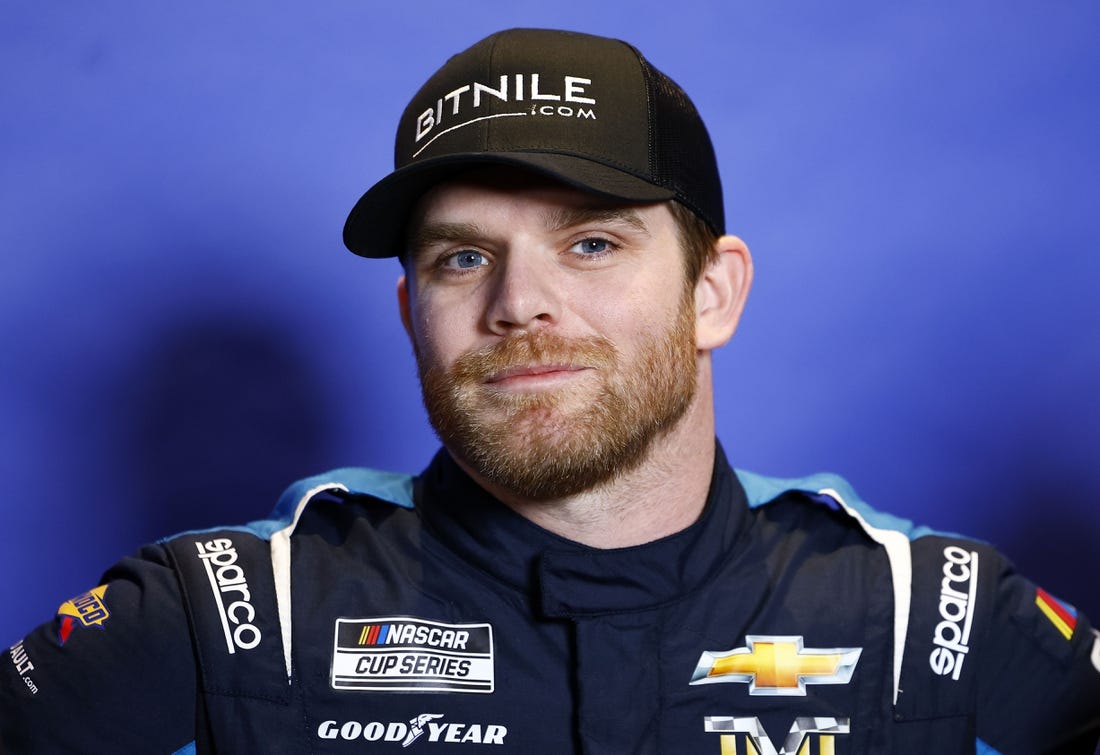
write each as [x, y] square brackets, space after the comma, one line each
[183, 333]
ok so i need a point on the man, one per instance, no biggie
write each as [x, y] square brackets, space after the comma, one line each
[579, 569]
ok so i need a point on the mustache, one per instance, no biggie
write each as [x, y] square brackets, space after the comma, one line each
[526, 349]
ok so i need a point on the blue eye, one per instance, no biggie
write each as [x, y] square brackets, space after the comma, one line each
[593, 246]
[466, 259]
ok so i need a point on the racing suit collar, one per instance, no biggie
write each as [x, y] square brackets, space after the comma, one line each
[568, 578]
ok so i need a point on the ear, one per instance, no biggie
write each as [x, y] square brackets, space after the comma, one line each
[403, 305]
[721, 292]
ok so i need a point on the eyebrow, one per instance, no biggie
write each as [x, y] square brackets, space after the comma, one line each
[441, 233]
[568, 217]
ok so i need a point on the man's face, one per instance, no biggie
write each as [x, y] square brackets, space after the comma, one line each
[554, 331]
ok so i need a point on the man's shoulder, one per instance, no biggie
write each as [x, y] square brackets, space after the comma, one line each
[824, 492]
[830, 491]
[255, 558]
[344, 484]
[821, 500]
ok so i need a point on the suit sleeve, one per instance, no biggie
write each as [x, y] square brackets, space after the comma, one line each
[1039, 680]
[112, 672]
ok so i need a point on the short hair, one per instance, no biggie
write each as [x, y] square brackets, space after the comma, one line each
[698, 242]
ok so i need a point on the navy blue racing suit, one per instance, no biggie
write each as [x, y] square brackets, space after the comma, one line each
[382, 613]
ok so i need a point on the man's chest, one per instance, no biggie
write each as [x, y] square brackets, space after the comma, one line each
[436, 657]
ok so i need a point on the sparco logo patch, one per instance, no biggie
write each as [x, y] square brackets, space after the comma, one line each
[407, 654]
[417, 727]
[231, 594]
[957, 593]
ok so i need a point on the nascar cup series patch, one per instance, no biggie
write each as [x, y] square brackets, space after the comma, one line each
[404, 654]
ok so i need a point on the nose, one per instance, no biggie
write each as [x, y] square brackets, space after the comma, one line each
[524, 295]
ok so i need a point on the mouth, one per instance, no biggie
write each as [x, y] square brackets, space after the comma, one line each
[531, 374]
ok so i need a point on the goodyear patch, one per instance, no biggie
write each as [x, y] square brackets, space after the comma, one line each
[85, 610]
[404, 654]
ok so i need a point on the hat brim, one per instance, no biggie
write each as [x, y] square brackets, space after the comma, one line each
[376, 225]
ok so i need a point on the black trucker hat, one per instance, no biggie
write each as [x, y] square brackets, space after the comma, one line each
[586, 110]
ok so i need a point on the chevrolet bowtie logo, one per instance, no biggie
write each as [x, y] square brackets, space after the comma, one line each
[777, 665]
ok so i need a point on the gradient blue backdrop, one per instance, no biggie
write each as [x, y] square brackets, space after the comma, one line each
[183, 333]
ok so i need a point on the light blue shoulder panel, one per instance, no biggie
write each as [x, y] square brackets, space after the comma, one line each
[762, 490]
[393, 487]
